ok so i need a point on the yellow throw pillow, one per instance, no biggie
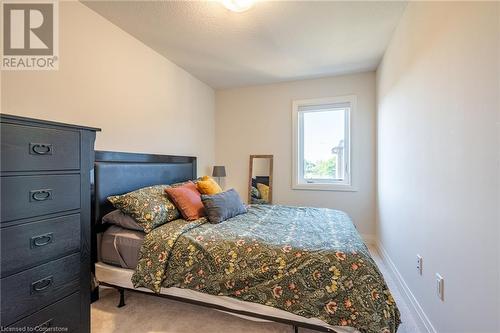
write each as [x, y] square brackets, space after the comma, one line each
[208, 186]
[264, 191]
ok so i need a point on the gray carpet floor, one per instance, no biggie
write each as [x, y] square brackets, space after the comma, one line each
[147, 314]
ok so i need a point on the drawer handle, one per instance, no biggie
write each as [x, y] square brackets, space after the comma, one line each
[40, 149]
[44, 326]
[42, 240]
[41, 195]
[43, 284]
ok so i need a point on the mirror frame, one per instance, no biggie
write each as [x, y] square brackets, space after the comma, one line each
[271, 158]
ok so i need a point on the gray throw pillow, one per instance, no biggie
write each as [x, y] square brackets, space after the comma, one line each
[120, 219]
[223, 206]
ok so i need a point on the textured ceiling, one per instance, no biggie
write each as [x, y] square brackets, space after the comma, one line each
[273, 41]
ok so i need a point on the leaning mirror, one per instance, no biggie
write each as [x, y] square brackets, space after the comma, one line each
[260, 182]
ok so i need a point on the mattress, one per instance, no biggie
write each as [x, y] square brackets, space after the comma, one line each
[120, 247]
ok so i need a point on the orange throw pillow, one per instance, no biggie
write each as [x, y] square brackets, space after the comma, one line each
[187, 199]
[208, 186]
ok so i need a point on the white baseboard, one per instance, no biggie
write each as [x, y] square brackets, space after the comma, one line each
[418, 313]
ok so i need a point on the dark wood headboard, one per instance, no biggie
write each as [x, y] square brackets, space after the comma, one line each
[118, 173]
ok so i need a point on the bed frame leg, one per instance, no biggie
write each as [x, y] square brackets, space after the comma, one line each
[122, 297]
[295, 329]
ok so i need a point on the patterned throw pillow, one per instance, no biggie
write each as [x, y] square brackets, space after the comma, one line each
[255, 193]
[149, 206]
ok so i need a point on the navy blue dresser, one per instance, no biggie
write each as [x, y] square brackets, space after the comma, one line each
[45, 224]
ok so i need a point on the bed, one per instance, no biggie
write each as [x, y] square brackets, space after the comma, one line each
[306, 267]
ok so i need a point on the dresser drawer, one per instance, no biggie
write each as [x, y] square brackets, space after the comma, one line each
[26, 148]
[24, 293]
[62, 316]
[31, 244]
[27, 196]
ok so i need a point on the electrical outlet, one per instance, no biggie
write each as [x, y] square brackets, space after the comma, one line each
[440, 286]
[420, 262]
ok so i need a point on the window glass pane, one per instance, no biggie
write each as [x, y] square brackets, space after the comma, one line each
[323, 137]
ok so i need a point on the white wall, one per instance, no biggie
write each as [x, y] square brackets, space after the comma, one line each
[108, 79]
[258, 120]
[438, 154]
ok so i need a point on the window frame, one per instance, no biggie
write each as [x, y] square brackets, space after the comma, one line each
[298, 181]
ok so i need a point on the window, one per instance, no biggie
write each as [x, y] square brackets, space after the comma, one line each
[322, 141]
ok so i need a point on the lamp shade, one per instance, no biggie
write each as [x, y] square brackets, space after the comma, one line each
[219, 171]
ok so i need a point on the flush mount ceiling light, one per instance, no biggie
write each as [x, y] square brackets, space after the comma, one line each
[238, 5]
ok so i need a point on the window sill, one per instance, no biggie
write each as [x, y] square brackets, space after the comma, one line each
[325, 187]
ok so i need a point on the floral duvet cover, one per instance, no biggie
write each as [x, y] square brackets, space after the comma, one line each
[307, 261]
